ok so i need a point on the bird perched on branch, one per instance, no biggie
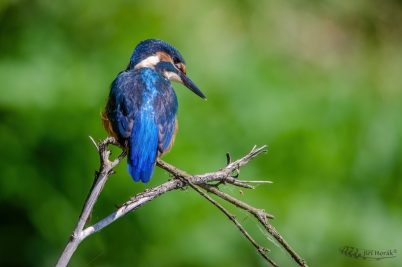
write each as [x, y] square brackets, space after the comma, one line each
[141, 111]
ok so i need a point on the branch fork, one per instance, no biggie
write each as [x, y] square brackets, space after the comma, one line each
[181, 181]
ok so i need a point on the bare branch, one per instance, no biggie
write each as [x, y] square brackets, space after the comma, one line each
[101, 176]
[254, 182]
[222, 176]
[150, 194]
[93, 142]
[262, 250]
[261, 216]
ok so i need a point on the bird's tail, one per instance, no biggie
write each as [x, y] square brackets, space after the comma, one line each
[143, 147]
[140, 175]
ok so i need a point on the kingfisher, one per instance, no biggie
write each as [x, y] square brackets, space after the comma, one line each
[141, 110]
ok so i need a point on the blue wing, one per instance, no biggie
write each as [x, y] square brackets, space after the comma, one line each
[123, 104]
[166, 106]
[142, 110]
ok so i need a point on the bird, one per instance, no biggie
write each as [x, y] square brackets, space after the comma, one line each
[141, 110]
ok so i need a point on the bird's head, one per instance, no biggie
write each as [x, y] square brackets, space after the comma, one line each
[163, 57]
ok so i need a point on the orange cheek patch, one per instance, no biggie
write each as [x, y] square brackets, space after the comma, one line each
[183, 68]
[164, 57]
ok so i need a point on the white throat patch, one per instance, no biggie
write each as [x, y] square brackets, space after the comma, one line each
[149, 62]
[171, 76]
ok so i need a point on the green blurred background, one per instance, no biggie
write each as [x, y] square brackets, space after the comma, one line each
[319, 82]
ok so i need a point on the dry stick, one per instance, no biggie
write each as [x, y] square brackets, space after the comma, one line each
[101, 176]
[152, 193]
[222, 176]
[140, 199]
[232, 217]
[178, 173]
[260, 214]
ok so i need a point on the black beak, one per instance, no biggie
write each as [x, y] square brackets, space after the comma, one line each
[190, 85]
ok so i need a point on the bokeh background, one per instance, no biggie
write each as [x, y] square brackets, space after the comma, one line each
[319, 82]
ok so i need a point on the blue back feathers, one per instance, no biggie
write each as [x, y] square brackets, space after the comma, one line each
[142, 110]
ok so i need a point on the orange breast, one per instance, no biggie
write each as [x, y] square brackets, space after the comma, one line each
[106, 122]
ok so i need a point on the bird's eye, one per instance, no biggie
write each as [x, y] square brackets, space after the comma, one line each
[176, 60]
